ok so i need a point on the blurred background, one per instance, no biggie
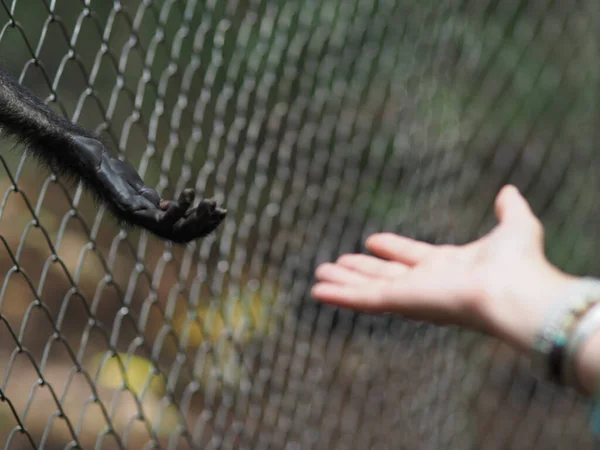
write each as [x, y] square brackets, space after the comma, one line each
[315, 123]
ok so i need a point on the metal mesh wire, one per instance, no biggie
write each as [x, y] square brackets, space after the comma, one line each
[315, 123]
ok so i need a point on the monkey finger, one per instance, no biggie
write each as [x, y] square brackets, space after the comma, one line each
[205, 209]
[186, 198]
[199, 225]
[175, 210]
[186, 229]
[211, 217]
[206, 228]
[160, 220]
[173, 213]
[148, 218]
[211, 222]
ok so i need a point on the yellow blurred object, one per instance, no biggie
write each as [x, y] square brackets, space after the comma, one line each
[135, 372]
[234, 323]
[246, 319]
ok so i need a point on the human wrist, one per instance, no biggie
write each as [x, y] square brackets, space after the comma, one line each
[540, 291]
[552, 286]
[524, 304]
[566, 347]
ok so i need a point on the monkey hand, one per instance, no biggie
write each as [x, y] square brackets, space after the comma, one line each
[176, 221]
[120, 186]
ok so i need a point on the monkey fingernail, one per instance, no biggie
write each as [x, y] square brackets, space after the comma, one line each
[187, 196]
[210, 204]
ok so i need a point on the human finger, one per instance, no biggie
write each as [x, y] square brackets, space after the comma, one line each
[334, 273]
[372, 266]
[513, 211]
[399, 248]
[365, 297]
[512, 207]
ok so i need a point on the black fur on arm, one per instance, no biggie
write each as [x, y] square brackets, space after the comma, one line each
[71, 150]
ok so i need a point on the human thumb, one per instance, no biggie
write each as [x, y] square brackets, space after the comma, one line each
[512, 209]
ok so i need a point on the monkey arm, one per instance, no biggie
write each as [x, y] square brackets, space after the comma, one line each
[79, 153]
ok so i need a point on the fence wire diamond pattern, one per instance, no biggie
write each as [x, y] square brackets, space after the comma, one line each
[315, 123]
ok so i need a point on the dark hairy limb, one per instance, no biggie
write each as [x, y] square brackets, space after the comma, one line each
[80, 154]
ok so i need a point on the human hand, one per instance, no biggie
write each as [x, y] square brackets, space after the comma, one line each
[501, 284]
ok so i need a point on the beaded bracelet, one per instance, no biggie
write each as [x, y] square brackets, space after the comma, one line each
[557, 356]
[548, 349]
[565, 329]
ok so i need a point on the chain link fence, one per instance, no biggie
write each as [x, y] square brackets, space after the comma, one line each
[315, 123]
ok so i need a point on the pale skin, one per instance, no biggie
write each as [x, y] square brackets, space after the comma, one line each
[501, 284]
